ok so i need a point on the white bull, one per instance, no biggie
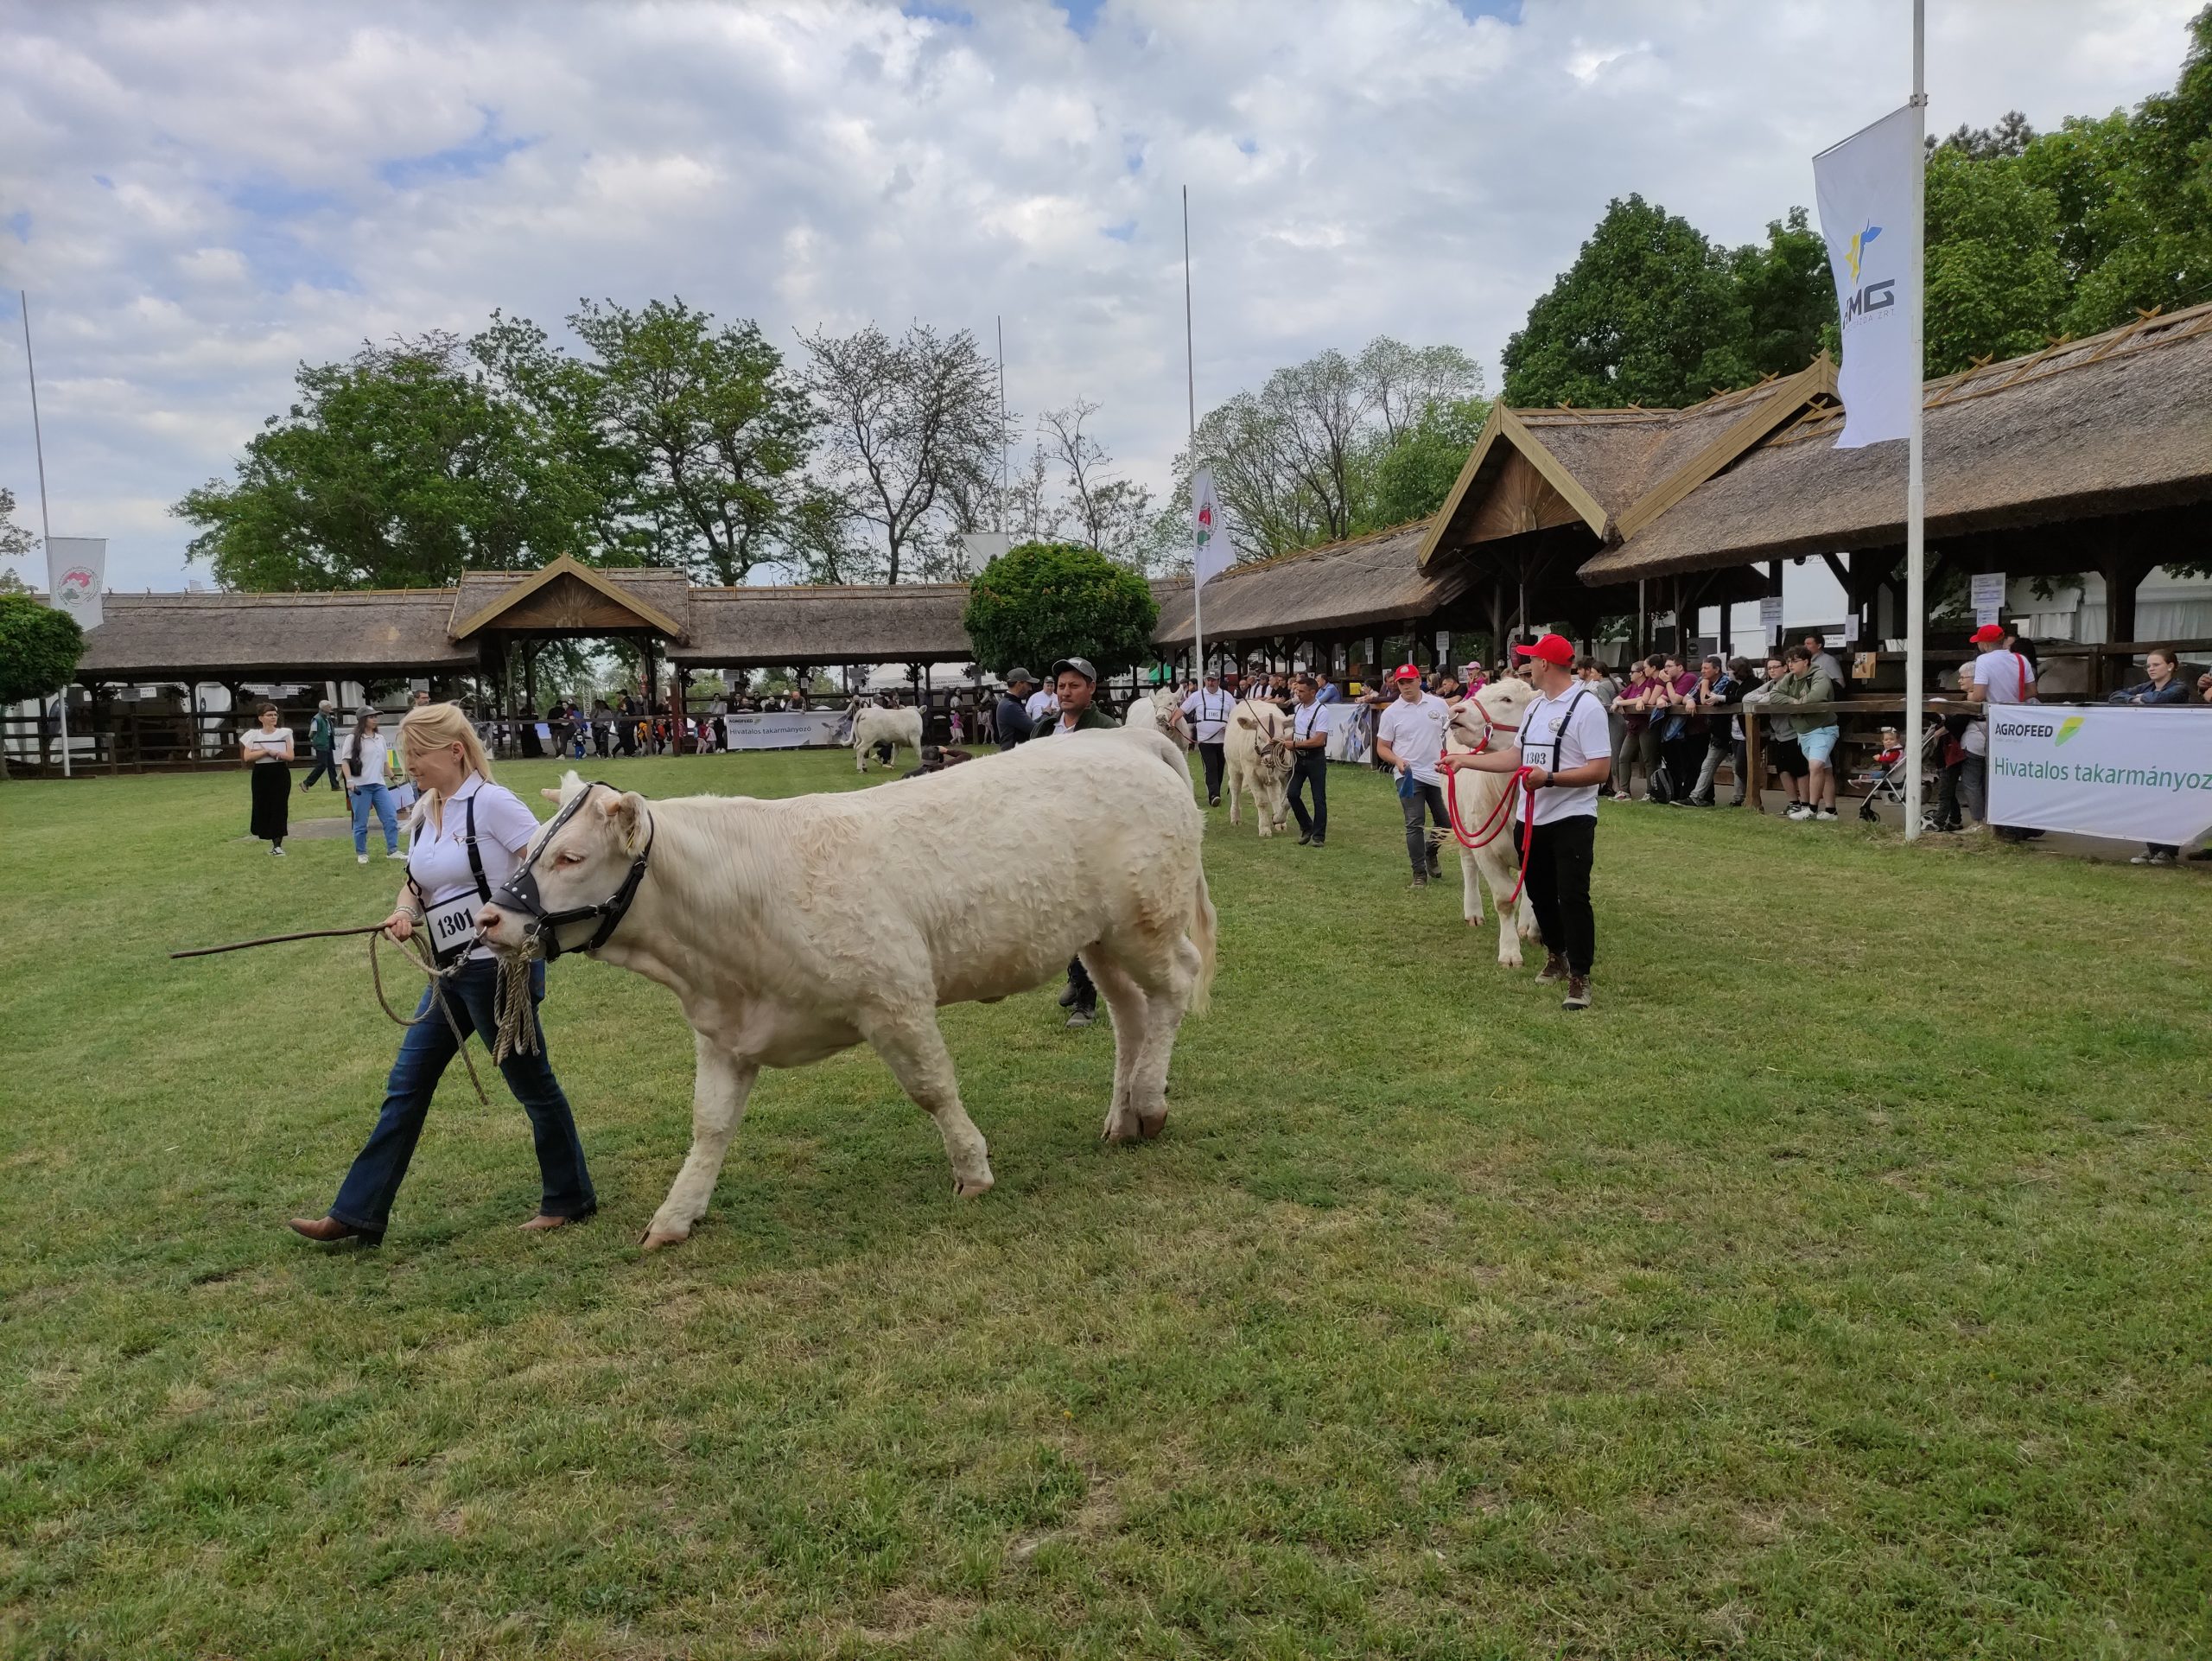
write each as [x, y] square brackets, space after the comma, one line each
[874, 725]
[791, 930]
[1255, 759]
[1477, 796]
[1160, 711]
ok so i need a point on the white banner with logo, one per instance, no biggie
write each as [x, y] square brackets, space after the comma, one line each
[1865, 189]
[76, 572]
[782, 729]
[2131, 774]
[1210, 551]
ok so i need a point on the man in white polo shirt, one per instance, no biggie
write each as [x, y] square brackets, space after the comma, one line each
[1565, 743]
[1409, 738]
[1207, 710]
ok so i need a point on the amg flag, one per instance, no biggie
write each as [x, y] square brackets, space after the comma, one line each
[1210, 551]
[76, 572]
[1865, 189]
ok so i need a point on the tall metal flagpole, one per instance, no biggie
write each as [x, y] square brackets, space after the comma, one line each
[1916, 579]
[1191, 391]
[1001, 328]
[44, 525]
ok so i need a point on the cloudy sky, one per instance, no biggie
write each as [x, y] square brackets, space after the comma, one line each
[199, 197]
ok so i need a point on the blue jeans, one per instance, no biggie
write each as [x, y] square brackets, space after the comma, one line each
[376, 796]
[365, 1198]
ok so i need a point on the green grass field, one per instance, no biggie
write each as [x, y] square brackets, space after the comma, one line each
[1837, 1288]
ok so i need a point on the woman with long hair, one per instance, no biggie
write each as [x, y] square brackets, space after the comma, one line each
[365, 761]
[469, 838]
[268, 750]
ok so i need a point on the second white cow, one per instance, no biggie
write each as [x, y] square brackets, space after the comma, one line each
[873, 726]
[1477, 796]
[1257, 761]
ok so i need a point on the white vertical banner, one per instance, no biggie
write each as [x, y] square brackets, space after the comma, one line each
[1210, 551]
[76, 572]
[1865, 186]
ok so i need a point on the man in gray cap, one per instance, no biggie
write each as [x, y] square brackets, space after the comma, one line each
[1010, 720]
[1074, 681]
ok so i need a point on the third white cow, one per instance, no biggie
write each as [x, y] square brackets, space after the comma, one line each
[1477, 796]
[872, 725]
[1257, 760]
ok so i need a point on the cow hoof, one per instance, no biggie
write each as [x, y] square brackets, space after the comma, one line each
[970, 1188]
[1151, 1124]
[656, 1239]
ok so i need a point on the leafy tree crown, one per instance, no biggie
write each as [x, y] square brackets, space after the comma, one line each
[1047, 600]
[39, 648]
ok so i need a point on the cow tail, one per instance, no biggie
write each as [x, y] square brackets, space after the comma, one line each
[1202, 937]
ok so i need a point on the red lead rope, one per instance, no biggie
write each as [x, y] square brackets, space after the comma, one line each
[1501, 816]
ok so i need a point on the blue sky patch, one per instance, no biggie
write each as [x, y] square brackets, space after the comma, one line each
[466, 160]
[1125, 231]
[958, 16]
[20, 223]
[1506, 11]
[1081, 14]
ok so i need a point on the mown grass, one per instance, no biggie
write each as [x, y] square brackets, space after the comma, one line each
[1837, 1288]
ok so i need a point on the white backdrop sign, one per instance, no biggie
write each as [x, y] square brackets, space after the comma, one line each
[76, 572]
[2132, 774]
[782, 729]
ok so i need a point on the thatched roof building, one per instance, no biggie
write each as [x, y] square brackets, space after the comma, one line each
[2119, 423]
[361, 634]
[1339, 588]
[913, 623]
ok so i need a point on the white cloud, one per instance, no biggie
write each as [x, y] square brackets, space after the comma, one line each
[211, 194]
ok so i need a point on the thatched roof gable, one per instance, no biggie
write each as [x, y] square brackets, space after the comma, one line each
[2118, 423]
[1345, 585]
[566, 593]
[246, 636]
[913, 623]
[1615, 469]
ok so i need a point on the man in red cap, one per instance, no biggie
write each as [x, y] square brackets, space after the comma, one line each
[2000, 676]
[1564, 742]
[1409, 739]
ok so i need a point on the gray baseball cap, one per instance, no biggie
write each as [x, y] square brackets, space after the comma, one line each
[1018, 677]
[1081, 665]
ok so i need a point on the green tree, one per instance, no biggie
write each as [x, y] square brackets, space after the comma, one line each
[1995, 286]
[39, 649]
[15, 543]
[398, 468]
[1787, 295]
[1648, 314]
[710, 433]
[1410, 476]
[1047, 600]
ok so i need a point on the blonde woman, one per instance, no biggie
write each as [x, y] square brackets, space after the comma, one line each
[469, 837]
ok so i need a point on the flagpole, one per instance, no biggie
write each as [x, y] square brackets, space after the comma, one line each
[1190, 391]
[44, 525]
[1915, 580]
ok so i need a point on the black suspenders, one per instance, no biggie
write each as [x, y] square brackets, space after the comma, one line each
[475, 861]
[1559, 737]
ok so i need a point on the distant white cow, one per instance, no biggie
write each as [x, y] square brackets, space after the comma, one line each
[874, 725]
[1158, 710]
[1477, 796]
[1255, 759]
[789, 930]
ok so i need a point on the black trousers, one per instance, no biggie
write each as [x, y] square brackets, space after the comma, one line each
[1312, 768]
[1559, 856]
[1211, 756]
[1418, 848]
[1086, 990]
[325, 761]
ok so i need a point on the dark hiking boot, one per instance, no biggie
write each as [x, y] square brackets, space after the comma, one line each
[1067, 996]
[1577, 993]
[1554, 969]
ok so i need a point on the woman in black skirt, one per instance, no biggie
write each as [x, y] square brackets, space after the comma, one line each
[268, 748]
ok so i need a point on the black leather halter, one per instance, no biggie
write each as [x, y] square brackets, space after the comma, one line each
[519, 892]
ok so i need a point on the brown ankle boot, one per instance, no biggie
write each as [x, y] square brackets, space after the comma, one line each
[1577, 993]
[329, 1230]
[1555, 968]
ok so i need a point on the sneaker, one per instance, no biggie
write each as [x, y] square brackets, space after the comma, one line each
[1421, 879]
[1798, 810]
[1083, 1018]
[393, 853]
[1306, 841]
[1555, 968]
[1319, 842]
[1577, 993]
[2160, 859]
[1825, 814]
[361, 859]
[1067, 996]
[275, 850]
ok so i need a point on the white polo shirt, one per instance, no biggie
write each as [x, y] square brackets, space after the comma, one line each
[1207, 709]
[1414, 733]
[1559, 733]
[438, 860]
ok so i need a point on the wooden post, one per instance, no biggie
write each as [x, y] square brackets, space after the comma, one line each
[683, 709]
[1754, 763]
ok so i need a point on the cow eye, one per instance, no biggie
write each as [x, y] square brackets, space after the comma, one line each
[569, 859]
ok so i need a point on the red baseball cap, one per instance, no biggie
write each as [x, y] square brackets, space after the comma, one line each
[1406, 672]
[1985, 634]
[1553, 649]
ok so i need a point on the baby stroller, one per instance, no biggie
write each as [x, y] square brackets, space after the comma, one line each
[1882, 781]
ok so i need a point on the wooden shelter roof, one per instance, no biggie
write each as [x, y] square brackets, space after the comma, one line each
[2118, 423]
[1612, 470]
[1342, 585]
[912, 623]
[566, 595]
[238, 636]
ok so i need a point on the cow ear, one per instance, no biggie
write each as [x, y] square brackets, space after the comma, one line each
[1244, 721]
[550, 795]
[627, 812]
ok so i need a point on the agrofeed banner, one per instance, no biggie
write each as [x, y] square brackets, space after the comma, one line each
[2130, 773]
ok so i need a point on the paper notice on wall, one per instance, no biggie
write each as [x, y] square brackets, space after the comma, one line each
[1986, 590]
[1770, 617]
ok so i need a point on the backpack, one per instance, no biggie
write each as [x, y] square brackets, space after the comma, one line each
[1660, 785]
